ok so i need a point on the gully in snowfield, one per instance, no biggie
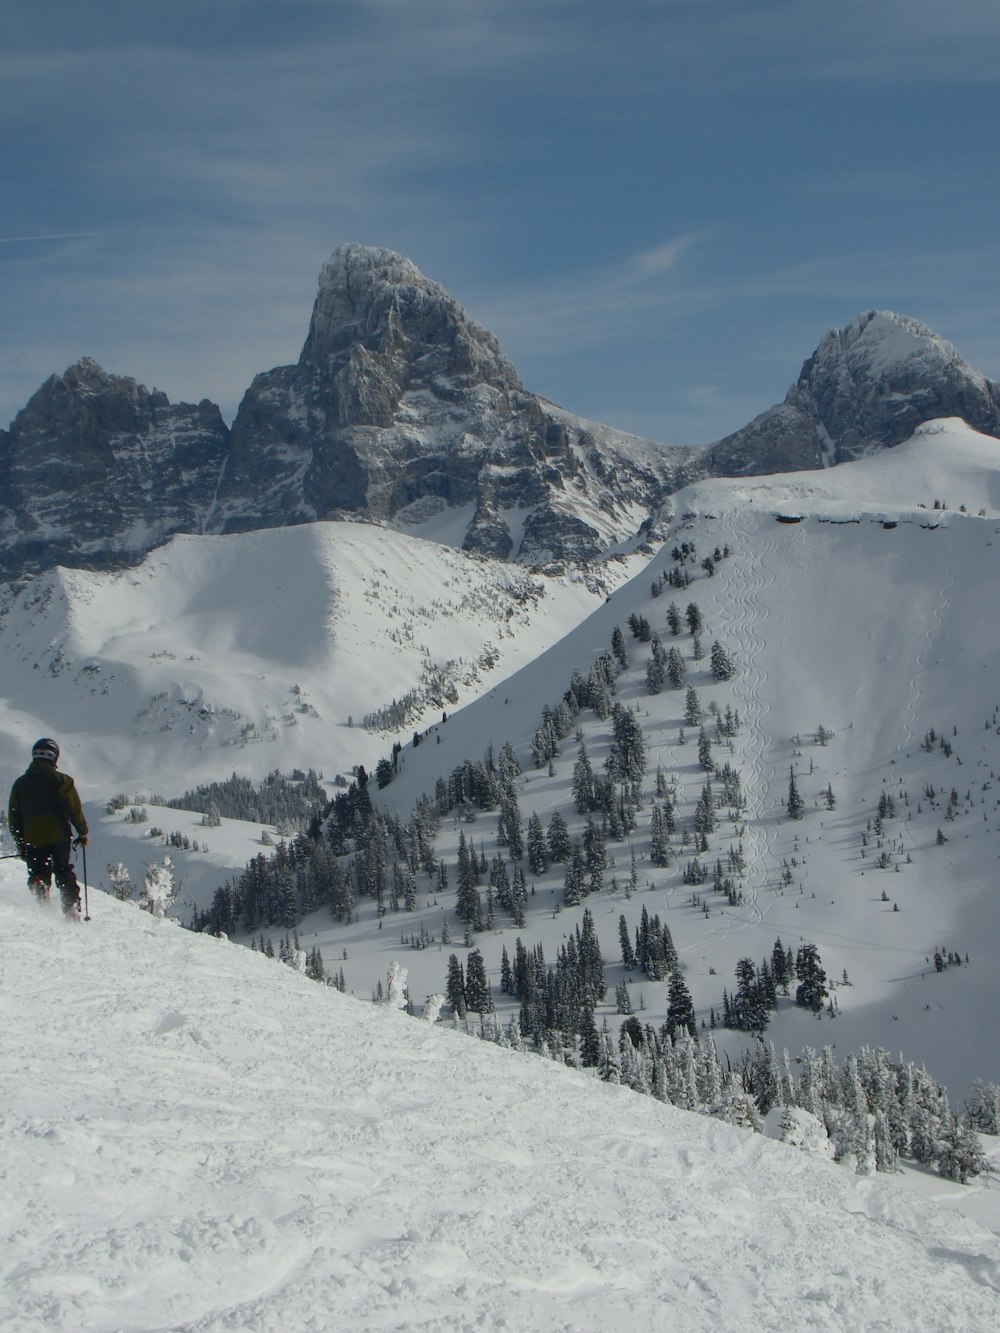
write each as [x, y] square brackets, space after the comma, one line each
[44, 809]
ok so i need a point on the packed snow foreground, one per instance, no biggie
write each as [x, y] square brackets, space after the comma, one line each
[195, 1138]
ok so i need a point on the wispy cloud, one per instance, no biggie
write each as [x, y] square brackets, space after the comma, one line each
[599, 305]
[55, 236]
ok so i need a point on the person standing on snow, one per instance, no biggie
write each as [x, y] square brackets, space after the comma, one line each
[44, 809]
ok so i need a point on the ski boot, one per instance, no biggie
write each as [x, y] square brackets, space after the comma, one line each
[39, 889]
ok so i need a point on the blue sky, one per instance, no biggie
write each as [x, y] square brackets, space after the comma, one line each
[658, 206]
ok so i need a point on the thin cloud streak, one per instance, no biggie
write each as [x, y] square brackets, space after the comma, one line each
[55, 236]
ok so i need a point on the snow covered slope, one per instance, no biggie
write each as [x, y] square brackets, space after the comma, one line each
[195, 1137]
[265, 650]
[867, 612]
[848, 602]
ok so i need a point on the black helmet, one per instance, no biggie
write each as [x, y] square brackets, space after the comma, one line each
[46, 748]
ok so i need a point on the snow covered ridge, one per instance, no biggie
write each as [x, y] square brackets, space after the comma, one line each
[192, 1136]
[268, 650]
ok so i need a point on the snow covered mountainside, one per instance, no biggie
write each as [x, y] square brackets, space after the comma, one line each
[268, 650]
[858, 615]
[193, 1137]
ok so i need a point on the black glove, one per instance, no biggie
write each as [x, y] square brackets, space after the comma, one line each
[80, 841]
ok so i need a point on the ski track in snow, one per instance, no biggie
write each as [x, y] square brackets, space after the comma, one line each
[195, 1138]
[744, 614]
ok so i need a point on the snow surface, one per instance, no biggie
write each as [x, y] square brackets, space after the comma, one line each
[260, 650]
[879, 634]
[194, 1137]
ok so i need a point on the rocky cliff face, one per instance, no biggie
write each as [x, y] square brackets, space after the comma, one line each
[866, 387]
[96, 470]
[399, 399]
[401, 407]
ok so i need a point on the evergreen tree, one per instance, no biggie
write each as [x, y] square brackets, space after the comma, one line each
[721, 664]
[558, 838]
[583, 783]
[656, 668]
[455, 986]
[680, 1008]
[590, 1041]
[478, 996]
[705, 817]
[467, 900]
[628, 953]
[705, 751]
[782, 968]
[619, 648]
[659, 851]
[675, 668]
[609, 1069]
[693, 712]
[795, 805]
[574, 883]
[961, 1152]
[811, 990]
[595, 855]
[538, 857]
[509, 825]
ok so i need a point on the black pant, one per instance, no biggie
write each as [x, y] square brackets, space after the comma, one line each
[43, 862]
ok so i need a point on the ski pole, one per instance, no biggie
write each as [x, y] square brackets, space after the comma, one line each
[86, 891]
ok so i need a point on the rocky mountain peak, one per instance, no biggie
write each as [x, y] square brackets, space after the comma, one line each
[82, 460]
[402, 405]
[867, 386]
[399, 408]
[374, 300]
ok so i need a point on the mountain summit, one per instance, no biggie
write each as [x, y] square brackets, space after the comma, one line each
[866, 387]
[402, 410]
[401, 406]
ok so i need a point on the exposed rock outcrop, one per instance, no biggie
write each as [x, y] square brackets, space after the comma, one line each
[97, 470]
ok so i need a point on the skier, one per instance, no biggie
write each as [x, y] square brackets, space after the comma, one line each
[44, 809]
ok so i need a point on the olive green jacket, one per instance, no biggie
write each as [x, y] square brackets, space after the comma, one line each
[43, 805]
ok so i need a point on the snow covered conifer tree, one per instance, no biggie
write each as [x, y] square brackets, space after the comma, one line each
[121, 881]
[558, 839]
[795, 805]
[675, 668]
[961, 1152]
[609, 1069]
[397, 986]
[693, 711]
[158, 891]
[583, 783]
[619, 648]
[721, 663]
